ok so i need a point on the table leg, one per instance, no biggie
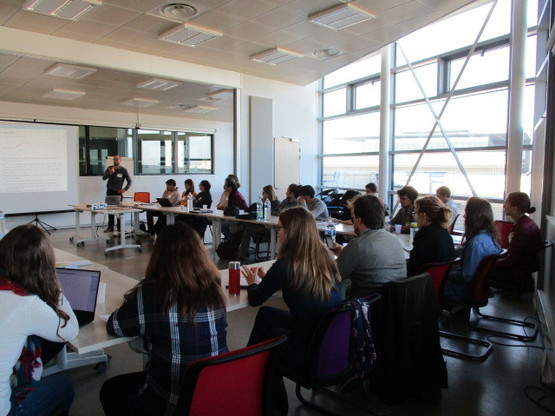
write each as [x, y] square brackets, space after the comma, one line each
[273, 237]
[122, 244]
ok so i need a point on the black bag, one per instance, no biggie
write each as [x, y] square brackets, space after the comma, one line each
[247, 216]
[231, 211]
[228, 250]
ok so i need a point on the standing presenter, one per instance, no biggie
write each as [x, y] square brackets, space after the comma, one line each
[116, 175]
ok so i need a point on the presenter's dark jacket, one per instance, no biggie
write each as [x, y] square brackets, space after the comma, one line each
[116, 179]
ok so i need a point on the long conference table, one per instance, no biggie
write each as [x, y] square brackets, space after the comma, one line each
[88, 347]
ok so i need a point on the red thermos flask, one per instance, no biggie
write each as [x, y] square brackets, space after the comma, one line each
[234, 277]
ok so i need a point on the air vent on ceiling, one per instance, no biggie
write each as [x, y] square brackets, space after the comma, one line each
[190, 35]
[341, 16]
[139, 102]
[60, 94]
[275, 56]
[158, 84]
[326, 53]
[69, 71]
[178, 11]
[65, 9]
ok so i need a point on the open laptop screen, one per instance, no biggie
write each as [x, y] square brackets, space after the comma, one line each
[81, 289]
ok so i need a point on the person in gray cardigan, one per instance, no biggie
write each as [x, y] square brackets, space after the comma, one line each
[375, 256]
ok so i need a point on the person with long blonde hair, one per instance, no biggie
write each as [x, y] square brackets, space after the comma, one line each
[179, 308]
[34, 313]
[307, 275]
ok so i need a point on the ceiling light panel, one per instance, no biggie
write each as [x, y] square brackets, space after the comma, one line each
[342, 16]
[60, 94]
[276, 56]
[190, 35]
[196, 109]
[217, 95]
[139, 102]
[69, 71]
[158, 84]
[65, 9]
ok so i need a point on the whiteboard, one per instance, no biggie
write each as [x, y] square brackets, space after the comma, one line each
[127, 163]
[38, 167]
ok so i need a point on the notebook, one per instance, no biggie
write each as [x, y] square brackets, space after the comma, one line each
[81, 289]
[164, 202]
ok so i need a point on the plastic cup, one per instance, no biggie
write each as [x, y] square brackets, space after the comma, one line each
[205, 207]
[398, 228]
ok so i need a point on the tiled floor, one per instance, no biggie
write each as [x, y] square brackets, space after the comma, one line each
[497, 386]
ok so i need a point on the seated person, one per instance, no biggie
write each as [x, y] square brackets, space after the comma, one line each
[375, 256]
[307, 275]
[290, 201]
[231, 229]
[172, 193]
[371, 189]
[407, 196]
[444, 195]
[179, 308]
[225, 195]
[204, 197]
[189, 190]
[432, 242]
[346, 217]
[514, 272]
[34, 311]
[480, 232]
[250, 230]
[316, 206]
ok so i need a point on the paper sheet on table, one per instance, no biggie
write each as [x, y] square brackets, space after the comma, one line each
[73, 264]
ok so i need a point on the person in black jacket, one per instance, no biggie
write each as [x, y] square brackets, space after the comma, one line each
[432, 243]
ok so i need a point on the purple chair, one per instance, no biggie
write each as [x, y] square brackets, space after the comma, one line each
[328, 360]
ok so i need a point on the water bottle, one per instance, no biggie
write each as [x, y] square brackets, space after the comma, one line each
[190, 202]
[267, 210]
[413, 230]
[259, 211]
[330, 230]
[3, 228]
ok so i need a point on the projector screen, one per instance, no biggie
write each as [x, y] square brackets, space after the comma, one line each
[38, 167]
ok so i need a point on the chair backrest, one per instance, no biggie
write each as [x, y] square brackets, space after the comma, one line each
[504, 228]
[478, 293]
[142, 197]
[438, 272]
[329, 360]
[452, 226]
[233, 383]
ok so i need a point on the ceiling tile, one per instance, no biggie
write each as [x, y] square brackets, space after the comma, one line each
[218, 20]
[154, 26]
[111, 15]
[246, 9]
[8, 9]
[124, 37]
[86, 31]
[35, 22]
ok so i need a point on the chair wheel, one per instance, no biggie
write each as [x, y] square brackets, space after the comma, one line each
[101, 368]
[81, 244]
[71, 239]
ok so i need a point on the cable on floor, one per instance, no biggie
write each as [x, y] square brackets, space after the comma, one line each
[537, 401]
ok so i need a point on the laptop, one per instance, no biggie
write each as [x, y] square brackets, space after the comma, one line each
[112, 199]
[164, 202]
[81, 289]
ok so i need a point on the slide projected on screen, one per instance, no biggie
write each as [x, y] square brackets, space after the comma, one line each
[33, 159]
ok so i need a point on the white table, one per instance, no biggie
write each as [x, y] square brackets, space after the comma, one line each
[118, 211]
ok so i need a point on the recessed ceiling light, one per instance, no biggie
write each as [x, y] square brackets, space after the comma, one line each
[326, 53]
[276, 56]
[158, 84]
[190, 35]
[65, 9]
[60, 94]
[139, 102]
[69, 71]
[341, 16]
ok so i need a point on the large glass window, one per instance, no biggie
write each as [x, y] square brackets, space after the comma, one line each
[367, 94]
[357, 134]
[357, 70]
[350, 172]
[95, 143]
[155, 151]
[335, 102]
[406, 87]
[194, 153]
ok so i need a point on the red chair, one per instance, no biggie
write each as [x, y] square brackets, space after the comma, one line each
[142, 197]
[504, 228]
[438, 272]
[231, 384]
